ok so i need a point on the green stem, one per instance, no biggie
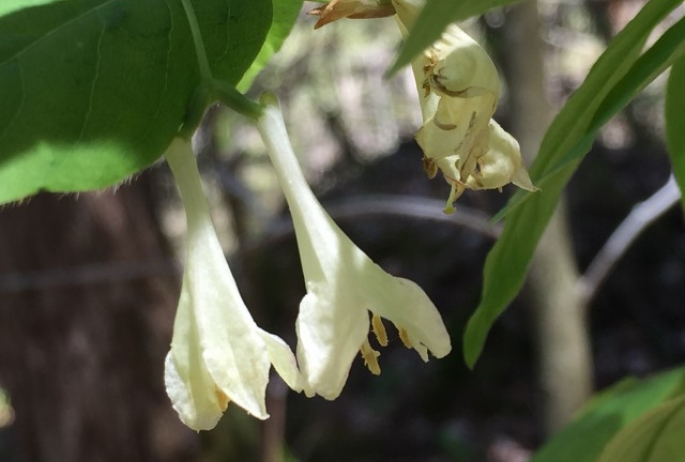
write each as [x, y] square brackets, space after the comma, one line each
[203, 62]
[235, 100]
[211, 88]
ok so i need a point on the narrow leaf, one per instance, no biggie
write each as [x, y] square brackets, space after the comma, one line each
[668, 49]
[435, 17]
[675, 122]
[508, 261]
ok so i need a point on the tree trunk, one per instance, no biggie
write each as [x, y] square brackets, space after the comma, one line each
[87, 298]
[559, 314]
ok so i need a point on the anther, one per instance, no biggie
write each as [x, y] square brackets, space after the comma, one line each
[404, 336]
[370, 358]
[222, 398]
[379, 330]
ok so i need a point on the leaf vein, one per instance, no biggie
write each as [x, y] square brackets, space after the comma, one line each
[57, 29]
[228, 34]
[167, 68]
[96, 77]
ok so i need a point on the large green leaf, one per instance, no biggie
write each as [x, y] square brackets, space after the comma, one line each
[508, 261]
[675, 122]
[284, 17]
[434, 18]
[654, 437]
[94, 90]
[605, 416]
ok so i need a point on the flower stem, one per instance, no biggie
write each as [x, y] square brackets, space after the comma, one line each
[272, 128]
[181, 160]
[235, 100]
[211, 88]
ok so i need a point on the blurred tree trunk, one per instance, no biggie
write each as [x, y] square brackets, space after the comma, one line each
[565, 358]
[87, 298]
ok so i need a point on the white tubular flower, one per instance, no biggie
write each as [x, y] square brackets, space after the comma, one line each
[218, 354]
[459, 88]
[343, 285]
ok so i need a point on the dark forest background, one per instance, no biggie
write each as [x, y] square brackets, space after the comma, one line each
[89, 282]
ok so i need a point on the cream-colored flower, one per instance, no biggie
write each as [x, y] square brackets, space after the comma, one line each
[343, 286]
[459, 89]
[218, 354]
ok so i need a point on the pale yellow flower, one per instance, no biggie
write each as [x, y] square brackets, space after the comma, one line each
[218, 354]
[344, 287]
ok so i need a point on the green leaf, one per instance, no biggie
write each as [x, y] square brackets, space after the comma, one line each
[508, 261]
[434, 18]
[604, 416]
[668, 49]
[284, 17]
[675, 122]
[93, 91]
[654, 437]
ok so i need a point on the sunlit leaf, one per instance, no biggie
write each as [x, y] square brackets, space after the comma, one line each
[675, 122]
[435, 17]
[606, 415]
[94, 90]
[507, 263]
[655, 437]
[284, 17]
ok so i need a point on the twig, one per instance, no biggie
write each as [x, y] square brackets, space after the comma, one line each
[643, 214]
[92, 273]
[368, 206]
[382, 205]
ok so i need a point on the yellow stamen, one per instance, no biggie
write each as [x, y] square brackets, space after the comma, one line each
[404, 336]
[379, 330]
[223, 399]
[370, 358]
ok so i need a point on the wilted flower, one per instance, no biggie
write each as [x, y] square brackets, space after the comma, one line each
[459, 89]
[343, 286]
[218, 354]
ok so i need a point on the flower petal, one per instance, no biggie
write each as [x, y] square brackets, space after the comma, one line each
[217, 352]
[283, 360]
[502, 164]
[331, 325]
[192, 391]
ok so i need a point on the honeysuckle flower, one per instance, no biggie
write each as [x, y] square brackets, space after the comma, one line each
[343, 285]
[459, 89]
[218, 354]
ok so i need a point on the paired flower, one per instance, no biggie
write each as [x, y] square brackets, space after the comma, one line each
[218, 354]
[343, 285]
